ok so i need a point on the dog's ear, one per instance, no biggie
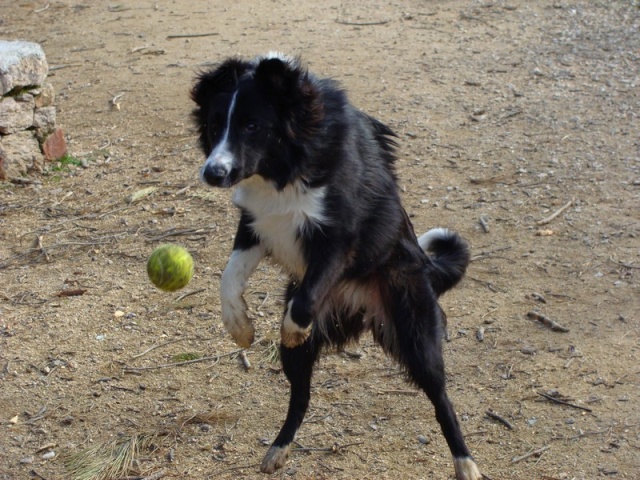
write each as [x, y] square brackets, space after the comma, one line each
[222, 79]
[278, 75]
[295, 94]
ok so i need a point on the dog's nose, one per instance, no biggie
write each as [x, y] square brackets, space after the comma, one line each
[214, 174]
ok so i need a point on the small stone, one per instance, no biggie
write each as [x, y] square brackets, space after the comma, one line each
[118, 314]
[55, 146]
[423, 440]
[49, 455]
[26, 460]
[68, 420]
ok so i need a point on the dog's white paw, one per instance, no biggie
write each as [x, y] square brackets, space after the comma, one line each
[275, 458]
[292, 335]
[466, 469]
[236, 322]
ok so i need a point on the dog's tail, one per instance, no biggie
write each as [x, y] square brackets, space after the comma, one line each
[449, 255]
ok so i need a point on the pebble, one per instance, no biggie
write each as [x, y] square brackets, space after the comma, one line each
[26, 460]
[423, 440]
[48, 455]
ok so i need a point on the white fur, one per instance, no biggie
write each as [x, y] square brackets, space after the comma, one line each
[466, 469]
[280, 216]
[233, 283]
[275, 458]
[426, 239]
[221, 156]
[279, 55]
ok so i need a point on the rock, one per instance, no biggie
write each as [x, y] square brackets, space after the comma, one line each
[45, 96]
[3, 164]
[44, 119]
[22, 154]
[16, 114]
[22, 64]
[55, 146]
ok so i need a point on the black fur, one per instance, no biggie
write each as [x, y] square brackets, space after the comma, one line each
[361, 266]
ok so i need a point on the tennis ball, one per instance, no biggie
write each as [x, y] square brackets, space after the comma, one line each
[170, 267]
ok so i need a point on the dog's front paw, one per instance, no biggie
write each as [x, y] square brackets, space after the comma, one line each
[275, 458]
[466, 469]
[291, 333]
[236, 322]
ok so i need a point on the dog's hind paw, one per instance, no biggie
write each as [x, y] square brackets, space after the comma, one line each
[292, 334]
[275, 458]
[466, 469]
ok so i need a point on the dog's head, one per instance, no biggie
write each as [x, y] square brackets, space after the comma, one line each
[255, 118]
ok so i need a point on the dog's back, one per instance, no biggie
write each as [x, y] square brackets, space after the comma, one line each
[317, 190]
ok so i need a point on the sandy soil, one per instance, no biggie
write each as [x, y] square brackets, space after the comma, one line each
[506, 111]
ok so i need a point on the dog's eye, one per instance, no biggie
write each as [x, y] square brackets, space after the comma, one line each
[251, 127]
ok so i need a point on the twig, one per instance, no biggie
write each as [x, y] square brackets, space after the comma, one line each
[484, 223]
[398, 392]
[239, 467]
[155, 476]
[212, 358]
[490, 413]
[563, 402]
[76, 292]
[362, 24]
[158, 346]
[547, 322]
[530, 454]
[53, 68]
[114, 102]
[40, 10]
[335, 448]
[24, 181]
[41, 248]
[245, 361]
[489, 285]
[192, 35]
[188, 294]
[555, 214]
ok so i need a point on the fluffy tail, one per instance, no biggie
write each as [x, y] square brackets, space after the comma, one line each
[449, 255]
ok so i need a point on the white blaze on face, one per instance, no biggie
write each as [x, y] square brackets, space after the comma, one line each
[221, 156]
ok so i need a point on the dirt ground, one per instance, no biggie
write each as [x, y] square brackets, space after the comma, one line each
[506, 111]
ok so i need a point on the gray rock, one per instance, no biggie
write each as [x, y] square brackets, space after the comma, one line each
[16, 114]
[44, 119]
[21, 153]
[22, 64]
[45, 95]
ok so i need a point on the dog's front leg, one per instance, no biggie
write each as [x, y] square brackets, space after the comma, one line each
[247, 254]
[322, 274]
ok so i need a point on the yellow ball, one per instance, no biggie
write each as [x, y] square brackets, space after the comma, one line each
[170, 267]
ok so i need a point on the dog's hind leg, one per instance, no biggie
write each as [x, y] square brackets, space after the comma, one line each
[297, 364]
[418, 348]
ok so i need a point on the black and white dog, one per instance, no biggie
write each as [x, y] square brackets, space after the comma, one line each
[315, 183]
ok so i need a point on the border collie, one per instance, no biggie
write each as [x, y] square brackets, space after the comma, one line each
[316, 187]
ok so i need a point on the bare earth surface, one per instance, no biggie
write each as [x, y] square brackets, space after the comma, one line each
[505, 111]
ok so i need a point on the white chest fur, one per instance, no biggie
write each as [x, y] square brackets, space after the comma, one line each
[280, 216]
